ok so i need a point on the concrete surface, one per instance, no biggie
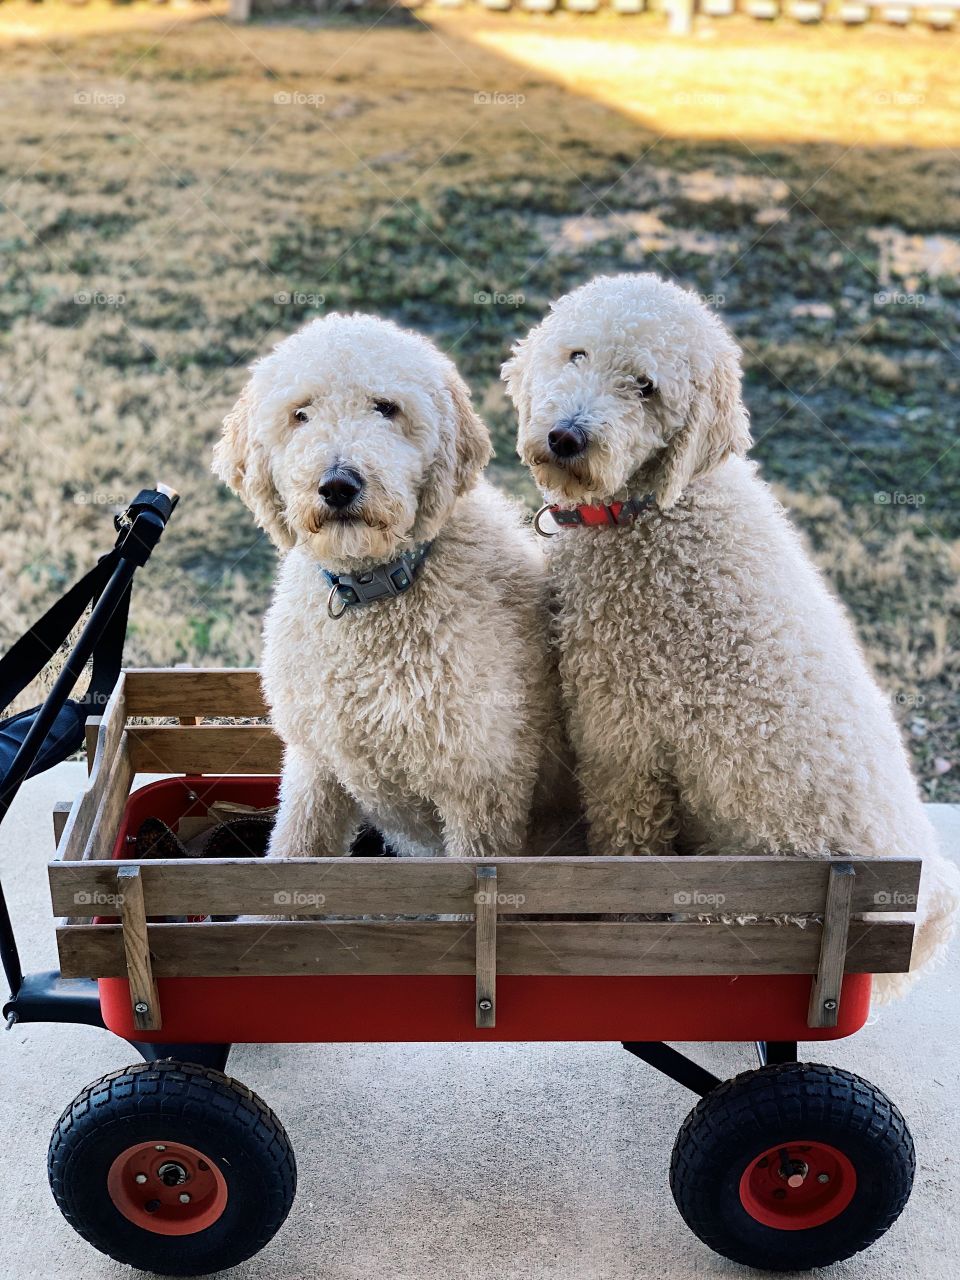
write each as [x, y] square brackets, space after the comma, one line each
[546, 1162]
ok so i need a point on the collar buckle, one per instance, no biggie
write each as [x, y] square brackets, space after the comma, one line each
[379, 583]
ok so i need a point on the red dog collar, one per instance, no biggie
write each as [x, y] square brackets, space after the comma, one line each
[584, 517]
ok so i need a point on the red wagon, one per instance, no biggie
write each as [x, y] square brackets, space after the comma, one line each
[174, 1167]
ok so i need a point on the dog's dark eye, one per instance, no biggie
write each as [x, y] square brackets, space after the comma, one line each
[300, 415]
[644, 388]
[388, 408]
[577, 355]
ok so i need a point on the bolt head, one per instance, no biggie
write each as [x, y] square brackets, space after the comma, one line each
[829, 1004]
[486, 1005]
[823, 1177]
[141, 1178]
[141, 1007]
[160, 1147]
[184, 1197]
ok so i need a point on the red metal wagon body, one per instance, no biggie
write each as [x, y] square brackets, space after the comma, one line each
[394, 1007]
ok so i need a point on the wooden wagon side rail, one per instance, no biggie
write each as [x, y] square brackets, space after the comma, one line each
[118, 750]
[195, 691]
[486, 939]
[524, 886]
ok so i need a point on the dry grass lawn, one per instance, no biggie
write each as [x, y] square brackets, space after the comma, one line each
[177, 194]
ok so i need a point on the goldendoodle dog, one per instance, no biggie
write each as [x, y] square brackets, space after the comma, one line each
[717, 697]
[406, 653]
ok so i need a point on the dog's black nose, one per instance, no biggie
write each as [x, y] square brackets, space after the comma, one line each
[566, 440]
[338, 488]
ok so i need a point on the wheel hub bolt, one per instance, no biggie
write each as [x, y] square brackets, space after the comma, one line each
[823, 1177]
[184, 1197]
[141, 1177]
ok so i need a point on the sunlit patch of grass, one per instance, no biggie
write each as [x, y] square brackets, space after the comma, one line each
[735, 80]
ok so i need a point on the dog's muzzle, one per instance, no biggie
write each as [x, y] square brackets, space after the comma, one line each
[340, 486]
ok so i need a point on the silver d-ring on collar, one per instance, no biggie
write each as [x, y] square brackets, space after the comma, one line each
[536, 523]
[334, 590]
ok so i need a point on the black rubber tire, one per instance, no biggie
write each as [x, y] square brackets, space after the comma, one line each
[174, 1102]
[789, 1102]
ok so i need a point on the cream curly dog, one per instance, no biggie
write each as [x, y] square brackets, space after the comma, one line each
[406, 652]
[717, 697]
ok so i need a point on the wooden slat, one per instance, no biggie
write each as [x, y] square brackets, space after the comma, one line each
[104, 777]
[143, 990]
[825, 991]
[422, 947]
[195, 691]
[102, 733]
[92, 823]
[106, 822]
[415, 886]
[486, 945]
[206, 748]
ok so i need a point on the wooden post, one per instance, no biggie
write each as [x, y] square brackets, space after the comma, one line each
[133, 915]
[486, 917]
[825, 994]
[61, 812]
[681, 17]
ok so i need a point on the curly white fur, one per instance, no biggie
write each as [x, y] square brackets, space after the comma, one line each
[434, 714]
[717, 697]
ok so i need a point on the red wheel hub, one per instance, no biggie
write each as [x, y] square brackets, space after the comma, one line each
[167, 1187]
[797, 1185]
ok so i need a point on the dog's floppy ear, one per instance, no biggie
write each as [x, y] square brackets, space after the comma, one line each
[717, 426]
[514, 374]
[463, 452]
[241, 462]
[471, 446]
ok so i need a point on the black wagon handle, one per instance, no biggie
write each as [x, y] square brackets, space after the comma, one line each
[139, 528]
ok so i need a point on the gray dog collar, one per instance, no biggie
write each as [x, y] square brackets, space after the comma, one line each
[383, 580]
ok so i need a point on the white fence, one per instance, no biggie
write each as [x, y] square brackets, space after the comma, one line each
[941, 15]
